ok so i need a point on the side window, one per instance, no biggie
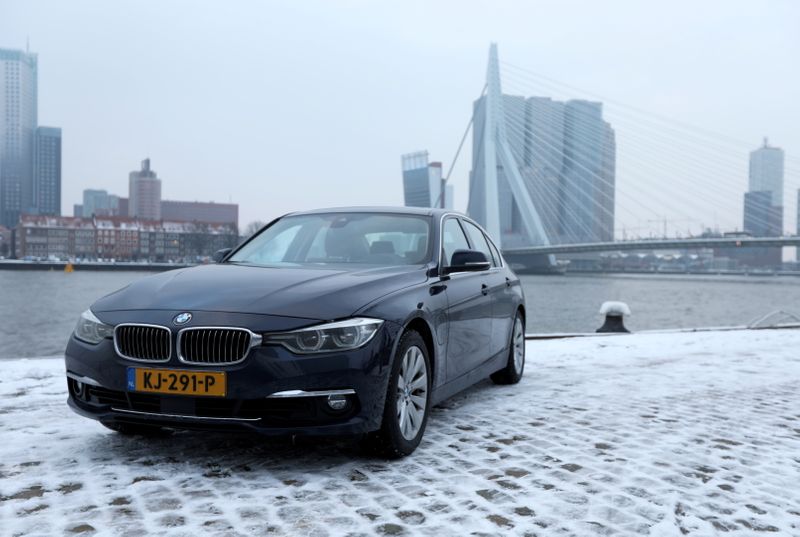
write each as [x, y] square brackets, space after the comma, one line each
[479, 241]
[495, 253]
[452, 239]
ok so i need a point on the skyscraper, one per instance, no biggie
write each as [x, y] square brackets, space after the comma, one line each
[18, 120]
[761, 218]
[422, 182]
[566, 155]
[588, 175]
[766, 172]
[144, 193]
[763, 208]
[47, 171]
[763, 204]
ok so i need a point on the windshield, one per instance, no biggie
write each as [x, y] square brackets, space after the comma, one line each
[340, 238]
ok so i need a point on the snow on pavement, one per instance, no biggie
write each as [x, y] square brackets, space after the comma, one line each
[648, 434]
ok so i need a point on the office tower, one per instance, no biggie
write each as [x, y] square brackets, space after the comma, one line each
[761, 218]
[565, 153]
[100, 203]
[587, 194]
[422, 182]
[47, 171]
[763, 204]
[766, 172]
[144, 193]
[18, 120]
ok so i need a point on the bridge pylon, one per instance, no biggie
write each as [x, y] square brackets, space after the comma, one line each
[497, 155]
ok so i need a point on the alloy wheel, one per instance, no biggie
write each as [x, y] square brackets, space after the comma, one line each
[412, 392]
[519, 345]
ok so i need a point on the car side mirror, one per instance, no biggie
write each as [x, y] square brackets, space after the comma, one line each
[467, 261]
[219, 255]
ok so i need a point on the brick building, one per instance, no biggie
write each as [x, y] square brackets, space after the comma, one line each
[120, 238]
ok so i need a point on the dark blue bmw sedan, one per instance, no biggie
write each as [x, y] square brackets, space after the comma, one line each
[348, 321]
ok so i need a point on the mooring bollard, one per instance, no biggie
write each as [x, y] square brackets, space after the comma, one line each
[614, 312]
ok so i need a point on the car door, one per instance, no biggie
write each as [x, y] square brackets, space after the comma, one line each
[497, 287]
[469, 308]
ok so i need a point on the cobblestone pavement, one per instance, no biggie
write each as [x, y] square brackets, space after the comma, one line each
[657, 434]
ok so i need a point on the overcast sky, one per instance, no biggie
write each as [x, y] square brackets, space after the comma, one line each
[282, 106]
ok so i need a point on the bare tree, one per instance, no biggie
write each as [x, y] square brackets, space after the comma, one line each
[253, 228]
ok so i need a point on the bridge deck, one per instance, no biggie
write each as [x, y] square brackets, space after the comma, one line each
[658, 244]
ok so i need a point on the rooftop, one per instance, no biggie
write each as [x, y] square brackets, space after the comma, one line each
[119, 222]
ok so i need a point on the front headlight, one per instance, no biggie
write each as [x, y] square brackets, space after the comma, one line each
[341, 335]
[91, 330]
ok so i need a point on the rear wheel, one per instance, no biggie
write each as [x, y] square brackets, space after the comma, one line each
[407, 405]
[512, 372]
[130, 429]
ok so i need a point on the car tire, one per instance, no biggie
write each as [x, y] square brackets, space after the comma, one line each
[131, 429]
[515, 366]
[404, 416]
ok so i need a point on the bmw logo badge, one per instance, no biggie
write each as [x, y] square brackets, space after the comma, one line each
[182, 318]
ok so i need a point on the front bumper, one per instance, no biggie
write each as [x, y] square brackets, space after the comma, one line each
[97, 380]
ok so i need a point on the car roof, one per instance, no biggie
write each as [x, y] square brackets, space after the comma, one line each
[422, 211]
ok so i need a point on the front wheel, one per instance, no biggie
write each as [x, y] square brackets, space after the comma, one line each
[512, 372]
[405, 412]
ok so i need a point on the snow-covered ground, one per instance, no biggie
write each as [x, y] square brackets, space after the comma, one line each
[652, 434]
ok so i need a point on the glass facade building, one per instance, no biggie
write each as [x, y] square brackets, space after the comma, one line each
[566, 155]
[422, 182]
[47, 171]
[18, 120]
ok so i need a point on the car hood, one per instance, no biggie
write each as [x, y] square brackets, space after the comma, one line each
[311, 293]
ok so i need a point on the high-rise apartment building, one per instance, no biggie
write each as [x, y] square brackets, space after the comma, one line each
[47, 171]
[423, 185]
[566, 155]
[18, 120]
[144, 193]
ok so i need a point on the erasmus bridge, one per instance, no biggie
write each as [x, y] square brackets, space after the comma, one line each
[578, 173]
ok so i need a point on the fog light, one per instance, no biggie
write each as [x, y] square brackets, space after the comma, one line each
[337, 402]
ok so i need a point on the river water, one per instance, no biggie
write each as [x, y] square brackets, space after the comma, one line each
[38, 310]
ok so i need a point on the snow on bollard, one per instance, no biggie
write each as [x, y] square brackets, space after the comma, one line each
[614, 312]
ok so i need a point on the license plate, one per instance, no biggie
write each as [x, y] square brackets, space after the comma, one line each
[177, 382]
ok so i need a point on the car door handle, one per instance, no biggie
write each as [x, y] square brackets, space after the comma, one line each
[484, 289]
